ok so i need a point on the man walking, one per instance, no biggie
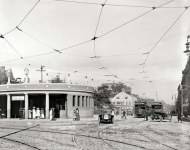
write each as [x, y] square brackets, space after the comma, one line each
[179, 115]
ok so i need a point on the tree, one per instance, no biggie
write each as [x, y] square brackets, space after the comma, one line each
[121, 87]
[4, 77]
[101, 96]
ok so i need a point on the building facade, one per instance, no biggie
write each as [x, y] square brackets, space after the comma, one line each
[123, 101]
[61, 96]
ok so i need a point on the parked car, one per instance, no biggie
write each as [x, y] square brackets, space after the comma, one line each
[106, 116]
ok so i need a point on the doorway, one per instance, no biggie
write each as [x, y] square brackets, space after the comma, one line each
[58, 101]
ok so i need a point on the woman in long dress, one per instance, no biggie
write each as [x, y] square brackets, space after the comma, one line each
[51, 114]
[74, 115]
[42, 114]
[38, 113]
[30, 113]
[34, 113]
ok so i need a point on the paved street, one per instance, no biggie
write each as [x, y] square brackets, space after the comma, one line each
[133, 133]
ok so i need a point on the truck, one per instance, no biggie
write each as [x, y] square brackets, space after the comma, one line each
[157, 112]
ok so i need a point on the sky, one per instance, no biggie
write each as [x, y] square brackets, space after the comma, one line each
[135, 44]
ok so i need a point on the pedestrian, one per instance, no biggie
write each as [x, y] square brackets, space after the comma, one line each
[124, 114]
[74, 115]
[51, 114]
[34, 113]
[23, 113]
[30, 113]
[146, 114]
[20, 113]
[77, 114]
[38, 113]
[179, 116]
[113, 112]
[42, 114]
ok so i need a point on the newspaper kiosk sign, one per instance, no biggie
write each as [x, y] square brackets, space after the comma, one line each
[17, 98]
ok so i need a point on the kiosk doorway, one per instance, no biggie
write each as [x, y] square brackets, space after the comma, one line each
[58, 101]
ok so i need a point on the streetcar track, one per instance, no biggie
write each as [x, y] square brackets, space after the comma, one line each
[153, 139]
[15, 141]
[77, 134]
[4, 137]
[105, 140]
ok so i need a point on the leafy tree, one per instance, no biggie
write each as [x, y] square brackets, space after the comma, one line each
[101, 96]
[4, 77]
[121, 87]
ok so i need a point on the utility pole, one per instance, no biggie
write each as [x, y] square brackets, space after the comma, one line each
[41, 70]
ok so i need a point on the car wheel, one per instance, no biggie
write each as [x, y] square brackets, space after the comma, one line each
[112, 120]
[99, 120]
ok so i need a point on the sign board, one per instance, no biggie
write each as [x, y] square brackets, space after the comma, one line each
[17, 98]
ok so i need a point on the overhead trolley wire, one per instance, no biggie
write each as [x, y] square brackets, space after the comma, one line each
[36, 39]
[163, 37]
[153, 8]
[107, 4]
[28, 13]
[13, 48]
[16, 51]
[22, 19]
[78, 2]
[9, 31]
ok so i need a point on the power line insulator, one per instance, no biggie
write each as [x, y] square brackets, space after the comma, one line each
[94, 38]
[1, 36]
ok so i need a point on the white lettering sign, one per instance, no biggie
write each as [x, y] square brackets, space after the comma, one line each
[18, 98]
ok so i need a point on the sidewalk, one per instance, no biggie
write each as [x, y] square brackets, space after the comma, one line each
[95, 118]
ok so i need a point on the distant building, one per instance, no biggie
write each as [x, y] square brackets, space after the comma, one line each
[123, 101]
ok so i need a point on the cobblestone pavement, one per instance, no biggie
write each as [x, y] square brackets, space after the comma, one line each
[130, 134]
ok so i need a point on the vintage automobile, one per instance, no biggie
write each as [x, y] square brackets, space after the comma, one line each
[157, 112]
[106, 116]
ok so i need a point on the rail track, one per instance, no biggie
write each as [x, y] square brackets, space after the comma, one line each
[155, 141]
[15, 141]
[98, 135]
